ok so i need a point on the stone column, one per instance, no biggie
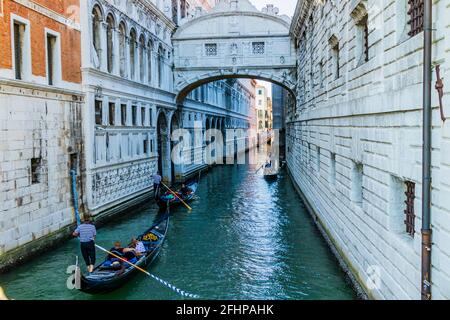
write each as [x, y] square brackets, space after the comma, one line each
[128, 59]
[103, 54]
[116, 52]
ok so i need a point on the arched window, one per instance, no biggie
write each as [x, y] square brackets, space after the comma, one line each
[141, 58]
[133, 41]
[96, 35]
[150, 61]
[122, 49]
[110, 25]
[160, 66]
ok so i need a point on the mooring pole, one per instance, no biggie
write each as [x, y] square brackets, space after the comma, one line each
[426, 157]
[73, 174]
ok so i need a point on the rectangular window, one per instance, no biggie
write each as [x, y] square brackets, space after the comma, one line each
[258, 48]
[19, 36]
[336, 58]
[123, 114]
[415, 13]
[134, 115]
[321, 74]
[151, 146]
[145, 146]
[362, 45]
[357, 184]
[333, 169]
[211, 49]
[409, 211]
[51, 56]
[98, 112]
[112, 113]
[143, 116]
[36, 164]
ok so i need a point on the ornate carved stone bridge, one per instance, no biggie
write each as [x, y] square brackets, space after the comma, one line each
[234, 40]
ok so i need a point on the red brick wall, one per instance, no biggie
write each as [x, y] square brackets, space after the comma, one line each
[70, 38]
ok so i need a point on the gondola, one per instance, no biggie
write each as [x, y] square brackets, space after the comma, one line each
[270, 173]
[174, 201]
[105, 279]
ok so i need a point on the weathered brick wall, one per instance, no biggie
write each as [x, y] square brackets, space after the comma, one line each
[370, 118]
[36, 124]
[70, 37]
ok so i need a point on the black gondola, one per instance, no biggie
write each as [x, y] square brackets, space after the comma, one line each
[270, 172]
[104, 278]
[168, 197]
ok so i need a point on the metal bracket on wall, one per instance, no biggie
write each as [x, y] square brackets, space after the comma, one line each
[440, 89]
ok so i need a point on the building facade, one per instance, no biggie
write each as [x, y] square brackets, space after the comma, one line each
[40, 123]
[131, 112]
[87, 87]
[354, 138]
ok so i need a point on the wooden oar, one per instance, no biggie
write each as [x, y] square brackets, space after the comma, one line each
[259, 169]
[183, 293]
[187, 206]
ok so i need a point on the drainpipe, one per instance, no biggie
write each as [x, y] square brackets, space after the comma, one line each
[426, 167]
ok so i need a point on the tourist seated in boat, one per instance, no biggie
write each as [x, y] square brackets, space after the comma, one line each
[138, 247]
[185, 190]
[128, 254]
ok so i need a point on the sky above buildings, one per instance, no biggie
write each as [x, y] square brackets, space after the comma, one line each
[286, 7]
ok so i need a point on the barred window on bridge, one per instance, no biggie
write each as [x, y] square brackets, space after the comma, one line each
[258, 48]
[211, 49]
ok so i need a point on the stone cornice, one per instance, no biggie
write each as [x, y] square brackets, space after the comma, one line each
[230, 14]
[301, 11]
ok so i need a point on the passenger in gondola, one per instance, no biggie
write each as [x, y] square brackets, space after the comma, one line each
[185, 190]
[127, 254]
[138, 247]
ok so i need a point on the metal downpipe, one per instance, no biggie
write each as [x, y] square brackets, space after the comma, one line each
[426, 160]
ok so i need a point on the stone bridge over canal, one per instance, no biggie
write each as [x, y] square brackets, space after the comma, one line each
[234, 40]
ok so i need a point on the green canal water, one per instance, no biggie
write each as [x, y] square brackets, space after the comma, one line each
[245, 239]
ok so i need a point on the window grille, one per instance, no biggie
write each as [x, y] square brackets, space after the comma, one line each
[415, 13]
[409, 211]
[366, 38]
[258, 47]
[35, 170]
[211, 49]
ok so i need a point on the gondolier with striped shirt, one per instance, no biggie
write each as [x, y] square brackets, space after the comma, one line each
[156, 184]
[87, 232]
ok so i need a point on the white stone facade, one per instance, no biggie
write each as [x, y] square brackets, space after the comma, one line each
[40, 140]
[355, 138]
[131, 110]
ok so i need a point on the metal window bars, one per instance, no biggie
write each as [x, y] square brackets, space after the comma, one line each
[409, 211]
[415, 12]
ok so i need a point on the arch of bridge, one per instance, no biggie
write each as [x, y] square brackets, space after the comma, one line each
[234, 40]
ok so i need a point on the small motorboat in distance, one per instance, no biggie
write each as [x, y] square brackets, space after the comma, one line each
[107, 277]
[173, 200]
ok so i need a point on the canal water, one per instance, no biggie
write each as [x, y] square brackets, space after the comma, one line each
[244, 239]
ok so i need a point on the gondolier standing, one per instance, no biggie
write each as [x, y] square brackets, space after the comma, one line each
[87, 232]
[156, 184]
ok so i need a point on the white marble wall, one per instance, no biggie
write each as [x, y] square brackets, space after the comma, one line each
[370, 118]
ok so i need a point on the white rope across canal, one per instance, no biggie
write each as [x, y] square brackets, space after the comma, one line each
[165, 283]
